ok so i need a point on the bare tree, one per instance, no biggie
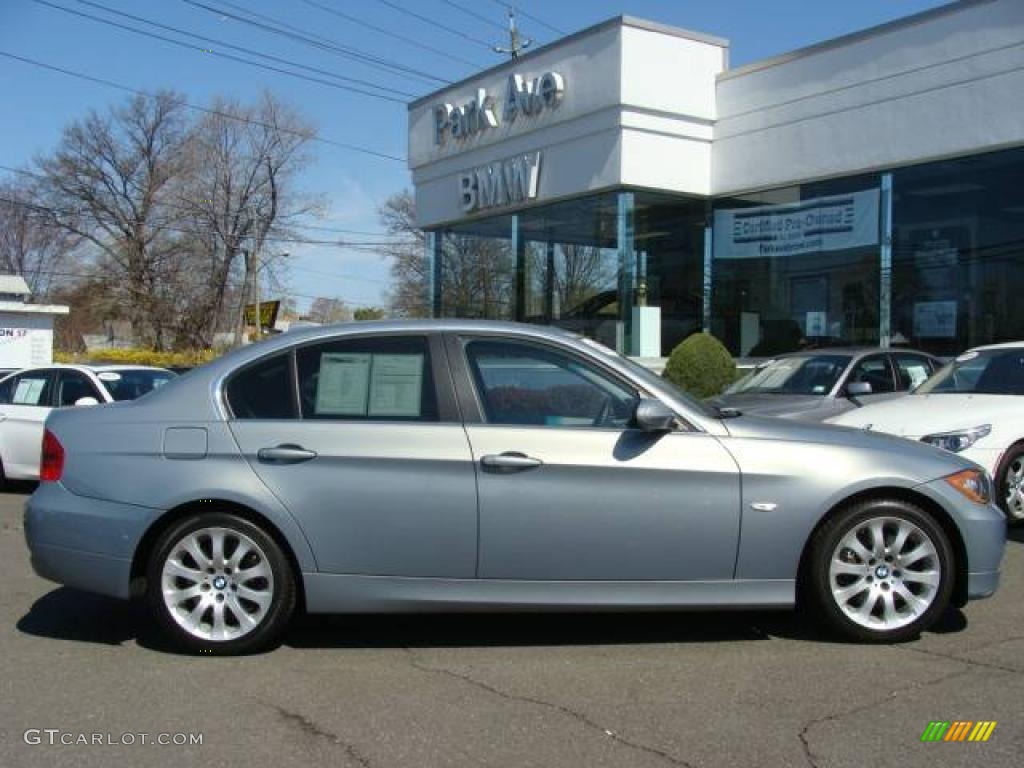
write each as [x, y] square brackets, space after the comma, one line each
[241, 193]
[107, 182]
[410, 265]
[326, 311]
[31, 243]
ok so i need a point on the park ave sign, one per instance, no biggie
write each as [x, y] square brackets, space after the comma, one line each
[522, 97]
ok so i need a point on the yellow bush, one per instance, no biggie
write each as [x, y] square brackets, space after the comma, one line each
[184, 359]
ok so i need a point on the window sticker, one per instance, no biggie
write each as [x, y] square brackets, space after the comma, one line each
[28, 391]
[108, 376]
[343, 384]
[396, 383]
[966, 356]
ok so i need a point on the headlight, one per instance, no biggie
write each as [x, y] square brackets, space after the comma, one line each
[972, 483]
[959, 440]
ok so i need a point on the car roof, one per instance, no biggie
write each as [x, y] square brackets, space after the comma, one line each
[1003, 345]
[83, 368]
[853, 351]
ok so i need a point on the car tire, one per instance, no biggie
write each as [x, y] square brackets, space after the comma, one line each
[232, 597]
[880, 593]
[1011, 474]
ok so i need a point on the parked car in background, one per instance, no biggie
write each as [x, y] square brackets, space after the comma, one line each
[28, 396]
[816, 385]
[477, 466]
[975, 407]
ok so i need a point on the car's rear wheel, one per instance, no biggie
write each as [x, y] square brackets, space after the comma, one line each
[881, 571]
[219, 584]
[1010, 477]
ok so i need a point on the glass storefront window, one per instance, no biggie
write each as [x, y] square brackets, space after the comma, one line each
[477, 270]
[797, 267]
[958, 252]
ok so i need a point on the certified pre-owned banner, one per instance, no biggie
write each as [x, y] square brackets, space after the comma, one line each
[821, 224]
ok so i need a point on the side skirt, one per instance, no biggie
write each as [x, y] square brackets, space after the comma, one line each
[339, 593]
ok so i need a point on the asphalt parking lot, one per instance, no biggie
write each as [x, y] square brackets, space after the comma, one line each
[699, 689]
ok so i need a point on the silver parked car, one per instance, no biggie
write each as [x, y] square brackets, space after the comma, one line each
[815, 385]
[469, 466]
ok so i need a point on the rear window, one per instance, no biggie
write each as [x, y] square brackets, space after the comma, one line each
[263, 390]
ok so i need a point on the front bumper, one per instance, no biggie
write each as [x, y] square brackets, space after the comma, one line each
[84, 542]
[983, 531]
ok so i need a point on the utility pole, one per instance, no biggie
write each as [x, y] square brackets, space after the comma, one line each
[516, 43]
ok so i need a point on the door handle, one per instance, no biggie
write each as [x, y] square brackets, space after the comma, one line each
[510, 461]
[287, 453]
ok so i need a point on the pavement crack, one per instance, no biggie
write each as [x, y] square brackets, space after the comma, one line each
[579, 717]
[310, 728]
[804, 733]
[969, 661]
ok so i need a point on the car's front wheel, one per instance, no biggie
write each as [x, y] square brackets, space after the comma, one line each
[219, 584]
[881, 571]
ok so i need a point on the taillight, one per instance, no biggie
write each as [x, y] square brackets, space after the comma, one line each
[51, 467]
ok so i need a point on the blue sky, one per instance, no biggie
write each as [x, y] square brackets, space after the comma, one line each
[37, 104]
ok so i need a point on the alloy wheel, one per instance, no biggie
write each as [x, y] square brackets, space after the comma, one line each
[1013, 484]
[884, 573]
[217, 584]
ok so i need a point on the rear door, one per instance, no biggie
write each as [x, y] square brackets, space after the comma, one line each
[360, 438]
[21, 421]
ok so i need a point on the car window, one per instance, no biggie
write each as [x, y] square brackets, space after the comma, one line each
[263, 390]
[911, 370]
[133, 383]
[383, 378]
[527, 384]
[6, 390]
[73, 386]
[875, 371]
[33, 388]
[797, 375]
[988, 372]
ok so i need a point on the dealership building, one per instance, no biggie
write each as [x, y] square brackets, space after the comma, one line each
[626, 183]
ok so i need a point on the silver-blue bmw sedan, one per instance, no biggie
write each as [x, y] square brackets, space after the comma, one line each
[471, 466]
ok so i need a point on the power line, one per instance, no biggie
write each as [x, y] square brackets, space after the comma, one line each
[249, 51]
[474, 14]
[375, 28]
[221, 54]
[434, 23]
[331, 46]
[173, 206]
[203, 229]
[531, 17]
[206, 110]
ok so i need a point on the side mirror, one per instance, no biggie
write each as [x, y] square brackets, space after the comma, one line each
[654, 416]
[87, 401]
[858, 388]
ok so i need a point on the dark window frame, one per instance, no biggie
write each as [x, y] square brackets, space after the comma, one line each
[70, 373]
[890, 367]
[444, 389]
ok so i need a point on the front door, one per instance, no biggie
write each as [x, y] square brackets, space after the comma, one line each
[377, 473]
[569, 491]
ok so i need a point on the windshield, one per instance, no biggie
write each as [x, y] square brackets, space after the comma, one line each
[803, 375]
[131, 383]
[988, 372]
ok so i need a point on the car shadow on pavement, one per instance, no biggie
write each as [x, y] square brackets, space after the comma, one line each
[68, 614]
[1016, 533]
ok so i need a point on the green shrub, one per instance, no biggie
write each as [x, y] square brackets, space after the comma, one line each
[134, 356]
[701, 365]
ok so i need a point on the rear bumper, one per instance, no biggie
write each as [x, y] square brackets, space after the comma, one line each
[83, 542]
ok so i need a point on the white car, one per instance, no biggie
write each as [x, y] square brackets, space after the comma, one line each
[975, 407]
[27, 397]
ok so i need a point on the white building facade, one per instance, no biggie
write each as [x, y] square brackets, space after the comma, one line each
[625, 183]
